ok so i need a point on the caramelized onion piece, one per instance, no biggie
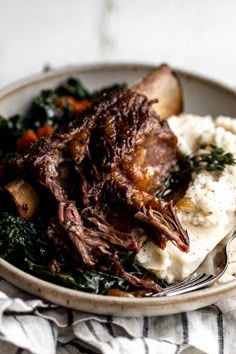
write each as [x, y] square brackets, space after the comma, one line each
[25, 198]
[185, 204]
[162, 84]
[120, 293]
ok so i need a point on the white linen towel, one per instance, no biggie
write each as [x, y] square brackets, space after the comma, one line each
[30, 325]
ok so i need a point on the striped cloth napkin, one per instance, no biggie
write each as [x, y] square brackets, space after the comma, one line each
[29, 325]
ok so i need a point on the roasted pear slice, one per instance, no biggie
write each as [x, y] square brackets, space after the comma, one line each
[162, 84]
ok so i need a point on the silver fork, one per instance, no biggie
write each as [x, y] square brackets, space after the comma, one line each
[212, 268]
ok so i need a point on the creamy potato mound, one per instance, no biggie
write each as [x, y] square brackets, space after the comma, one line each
[208, 210]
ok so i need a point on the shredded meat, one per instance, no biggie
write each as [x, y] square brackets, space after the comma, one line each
[109, 161]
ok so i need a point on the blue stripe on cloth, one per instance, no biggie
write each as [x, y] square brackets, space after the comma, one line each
[109, 326]
[220, 329]
[92, 331]
[145, 327]
[81, 348]
[184, 320]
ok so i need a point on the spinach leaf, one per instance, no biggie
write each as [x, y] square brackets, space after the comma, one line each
[73, 87]
[44, 109]
[10, 130]
[21, 239]
[23, 244]
[5, 135]
[18, 125]
[93, 281]
[88, 281]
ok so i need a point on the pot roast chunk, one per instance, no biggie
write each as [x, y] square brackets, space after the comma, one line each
[109, 161]
[130, 137]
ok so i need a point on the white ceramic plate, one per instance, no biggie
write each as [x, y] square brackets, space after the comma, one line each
[202, 96]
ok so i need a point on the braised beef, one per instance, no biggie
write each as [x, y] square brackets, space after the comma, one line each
[109, 161]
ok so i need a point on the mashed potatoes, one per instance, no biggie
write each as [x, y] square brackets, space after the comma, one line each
[211, 196]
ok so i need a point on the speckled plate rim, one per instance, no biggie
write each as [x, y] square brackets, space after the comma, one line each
[67, 70]
[100, 304]
[108, 305]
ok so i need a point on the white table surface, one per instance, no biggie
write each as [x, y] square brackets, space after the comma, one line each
[196, 35]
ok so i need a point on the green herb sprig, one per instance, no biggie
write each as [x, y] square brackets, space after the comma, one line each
[215, 159]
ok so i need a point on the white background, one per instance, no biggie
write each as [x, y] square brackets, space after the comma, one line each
[195, 35]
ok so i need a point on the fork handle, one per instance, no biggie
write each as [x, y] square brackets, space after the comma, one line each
[206, 282]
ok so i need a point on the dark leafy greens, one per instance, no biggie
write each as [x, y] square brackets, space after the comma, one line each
[92, 281]
[10, 130]
[24, 244]
[45, 110]
[20, 239]
[88, 281]
[73, 87]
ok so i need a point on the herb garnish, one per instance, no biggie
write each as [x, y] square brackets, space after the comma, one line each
[215, 159]
[212, 159]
